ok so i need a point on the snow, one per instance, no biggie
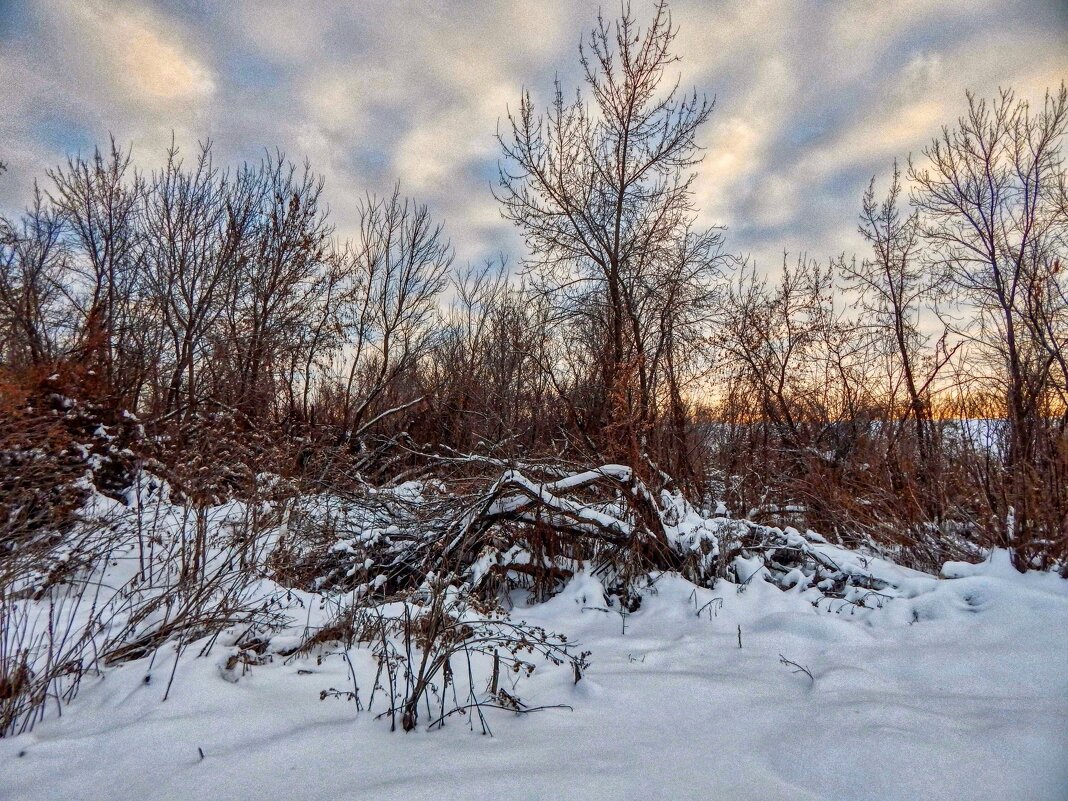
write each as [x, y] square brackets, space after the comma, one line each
[511, 504]
[954, 689]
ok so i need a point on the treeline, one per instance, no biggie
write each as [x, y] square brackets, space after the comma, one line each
[921, 389]
[913, 396]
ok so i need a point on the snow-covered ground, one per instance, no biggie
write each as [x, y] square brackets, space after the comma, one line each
[956, 690]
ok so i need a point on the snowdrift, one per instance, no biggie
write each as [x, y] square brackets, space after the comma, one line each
[270, 647]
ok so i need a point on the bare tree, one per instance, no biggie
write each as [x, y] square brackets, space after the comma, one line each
[32, 261]
[100, 200]
[602, 192]
[991, 194]
[271, 318]
[198, 225]
[395, 271]
[893, 288]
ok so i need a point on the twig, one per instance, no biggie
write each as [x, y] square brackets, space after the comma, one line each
[796, 667]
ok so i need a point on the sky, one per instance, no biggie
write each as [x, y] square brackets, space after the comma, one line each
[812, 99]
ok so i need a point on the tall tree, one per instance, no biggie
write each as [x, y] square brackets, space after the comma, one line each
[991, 194]
[394, 271]
[893, 288]
[602, 190]
[198, 226]
[33, 260]
[270, 319]
[101, 199]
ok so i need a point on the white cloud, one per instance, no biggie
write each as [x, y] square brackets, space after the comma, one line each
[151, 66]
[811, 95]
[127, 52]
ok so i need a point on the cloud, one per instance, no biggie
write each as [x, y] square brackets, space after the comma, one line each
[812, 97]
[816, 98]
[152, 68]
[127, 53]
